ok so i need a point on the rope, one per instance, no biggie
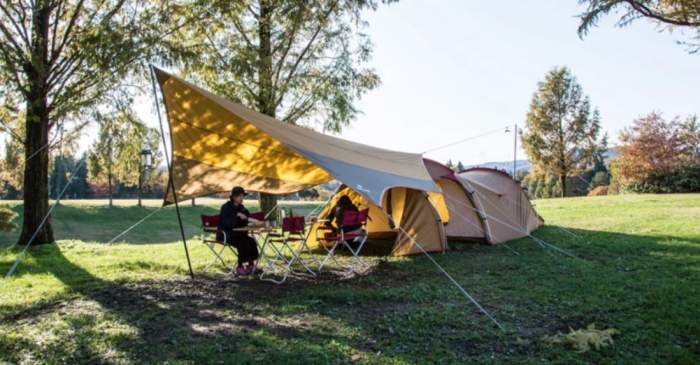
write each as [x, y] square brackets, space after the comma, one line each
[44, 220]
[538, 240]
[465, 139]
[464, 291]
[134, 225]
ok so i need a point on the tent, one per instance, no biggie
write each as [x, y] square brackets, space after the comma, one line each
[507, 211]
[455, 204]
[218, 144]
[481, 204]
[408, 208]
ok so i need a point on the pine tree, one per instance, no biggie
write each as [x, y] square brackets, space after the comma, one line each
[561, 135]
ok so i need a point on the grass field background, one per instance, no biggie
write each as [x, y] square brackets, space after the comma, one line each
[83, 301]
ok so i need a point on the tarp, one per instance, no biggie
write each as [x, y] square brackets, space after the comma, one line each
[218, 144]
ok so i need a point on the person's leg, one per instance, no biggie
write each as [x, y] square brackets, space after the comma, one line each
[251, 254]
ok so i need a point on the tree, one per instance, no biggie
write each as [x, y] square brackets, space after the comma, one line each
[689, 136]
[459, 167]
[115, 156]
[670, 14]
[652, 149]
[59, 57]
[561, 134]
[300, 61]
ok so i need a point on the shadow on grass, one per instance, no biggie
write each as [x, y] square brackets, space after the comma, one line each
[406, 310]
[212, 317]
[101, 223]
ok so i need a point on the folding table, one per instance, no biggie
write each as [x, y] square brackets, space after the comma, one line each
[292, 232]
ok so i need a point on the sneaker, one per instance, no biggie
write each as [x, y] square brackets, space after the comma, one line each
[242, 271]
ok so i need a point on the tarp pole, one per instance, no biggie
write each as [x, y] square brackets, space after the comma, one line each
[170, 171]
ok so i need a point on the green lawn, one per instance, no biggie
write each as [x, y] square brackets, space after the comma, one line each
[82, 301]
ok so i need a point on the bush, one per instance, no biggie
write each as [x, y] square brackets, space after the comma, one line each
[598, 191]
[684, 180]
[6, 218]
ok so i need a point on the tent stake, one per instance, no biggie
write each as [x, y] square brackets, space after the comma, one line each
[170, 171]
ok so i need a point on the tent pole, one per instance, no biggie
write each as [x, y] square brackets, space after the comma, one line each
[170, 171]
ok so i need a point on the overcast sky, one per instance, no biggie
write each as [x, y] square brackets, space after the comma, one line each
[456, 69]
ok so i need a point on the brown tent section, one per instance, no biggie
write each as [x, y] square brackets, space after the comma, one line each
[507, 211]
[459, 214]
[409, 209]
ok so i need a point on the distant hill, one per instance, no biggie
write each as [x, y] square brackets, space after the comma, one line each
[525, 164]
[504, 165]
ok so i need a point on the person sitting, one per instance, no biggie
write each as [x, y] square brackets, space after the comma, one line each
[335, 218]
[235, 215]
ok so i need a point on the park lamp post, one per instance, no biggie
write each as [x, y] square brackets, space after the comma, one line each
[143, 166]
[515, 145]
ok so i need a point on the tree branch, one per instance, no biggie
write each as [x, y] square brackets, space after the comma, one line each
[291, 72]
[7, 128]
[21, 31]
[55, 52]
[648, 12]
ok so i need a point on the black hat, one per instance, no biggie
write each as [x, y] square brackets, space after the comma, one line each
[237, 191]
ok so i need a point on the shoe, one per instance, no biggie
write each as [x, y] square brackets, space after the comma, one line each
[242, 271]
[252, 269]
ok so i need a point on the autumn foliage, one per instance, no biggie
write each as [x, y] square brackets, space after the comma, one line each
[652, 150]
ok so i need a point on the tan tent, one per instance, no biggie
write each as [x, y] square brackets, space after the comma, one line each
[506, 209]
[455, 204]
[408, 208]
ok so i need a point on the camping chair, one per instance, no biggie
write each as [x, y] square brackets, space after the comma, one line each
[292, 233]
[336, 239]
[212, 236]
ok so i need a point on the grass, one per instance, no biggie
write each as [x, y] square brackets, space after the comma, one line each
[82, 301]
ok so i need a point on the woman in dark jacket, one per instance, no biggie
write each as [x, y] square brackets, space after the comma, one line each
[235, 215]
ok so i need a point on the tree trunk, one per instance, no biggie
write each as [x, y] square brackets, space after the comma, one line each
[562, 182]
[266, 92]
[36, 179]
[109, 172]
[36, 151]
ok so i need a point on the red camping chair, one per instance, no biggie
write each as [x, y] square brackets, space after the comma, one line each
[335, 239]
[211, 237]
[292, 233]
[258, 215]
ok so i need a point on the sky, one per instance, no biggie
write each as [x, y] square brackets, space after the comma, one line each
[455, 69]
[452, 70]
